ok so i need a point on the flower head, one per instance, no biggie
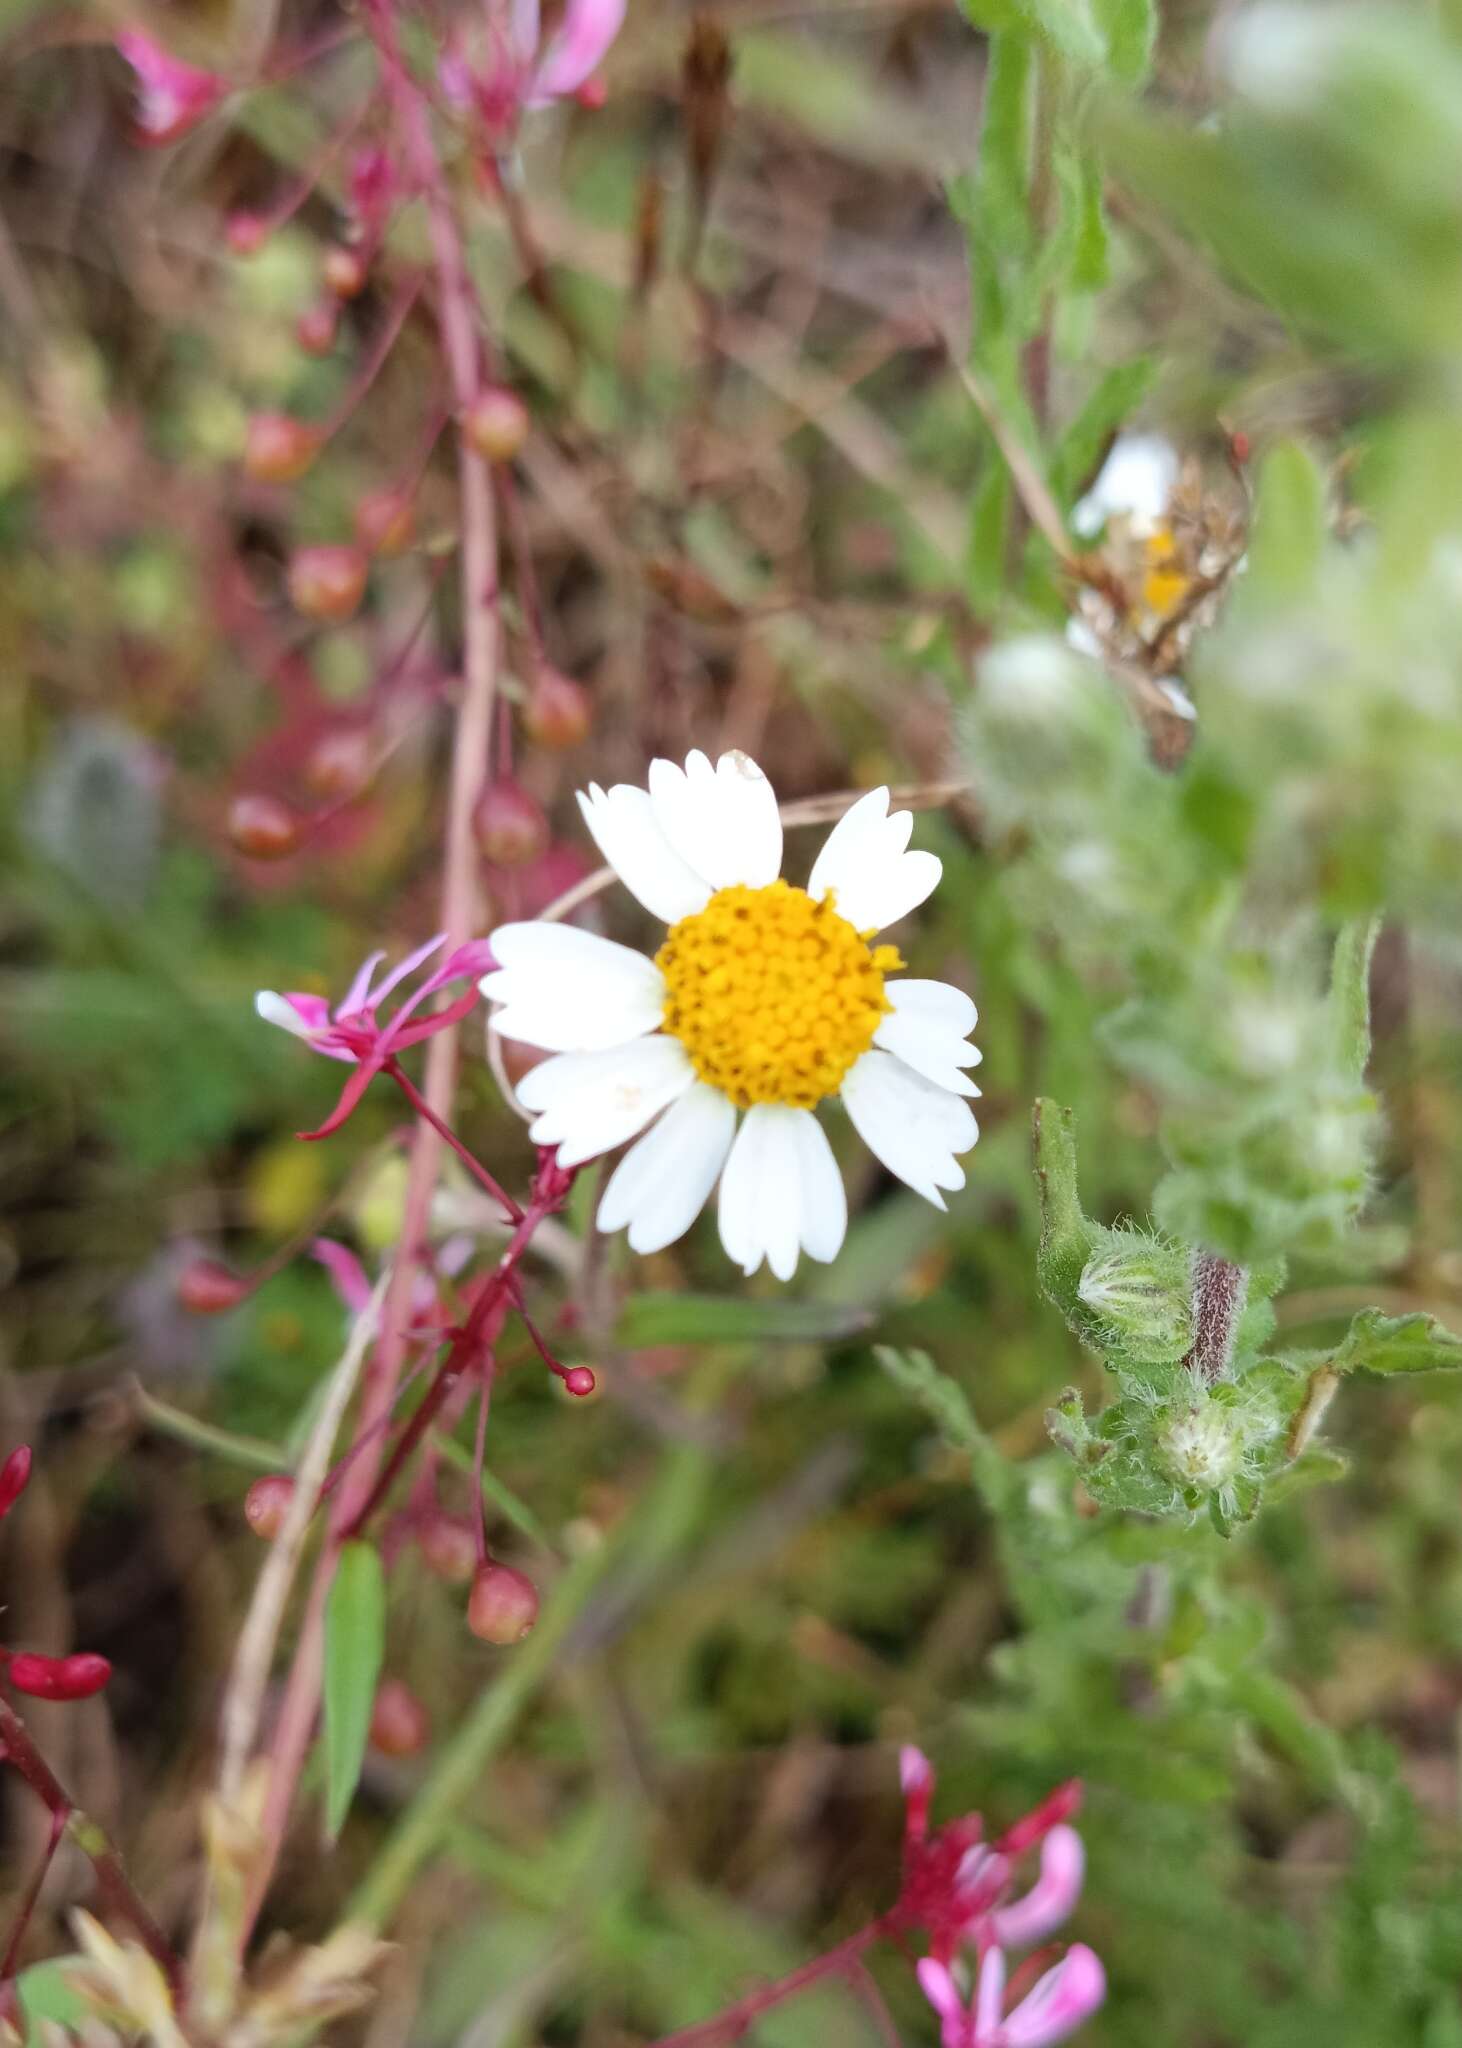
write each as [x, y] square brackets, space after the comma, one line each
[1136, 484]
[1055, 2006]
[519, 72]
[172, 97]
[352, 1032]
[764, 1000]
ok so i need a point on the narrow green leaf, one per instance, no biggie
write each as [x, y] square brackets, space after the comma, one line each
[1113, 402]
[649, 1319]
[946, 1406]
[1289, 521]
[46, 1993]
[1412, 1343]
[1067, 1235]
[355, 1634]
[1130, 30]
[1350, 995]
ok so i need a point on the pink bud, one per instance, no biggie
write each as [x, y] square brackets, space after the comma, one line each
[496, 423]
[344, 272]
[278, 448]
[59, 1678]
[509, 825]
[262, 827]
[557, 711]
[400, 1724]
[172, 96]
[340, 762]
[327, 582]
[372, 187]
[503, 1605]
[448, 1544]
[14, 1474]
[385, 521]
[246, 232]
[579, 1381]
[267, 1503]
[206, 1287]
[317, 327]
[592, 95]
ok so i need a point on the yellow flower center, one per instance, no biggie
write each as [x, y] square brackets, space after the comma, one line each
[773, 996]
[1166, 582]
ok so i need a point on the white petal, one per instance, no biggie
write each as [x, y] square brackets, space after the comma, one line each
[589, 1102]
[1137, 480]
[568, 990]
[928, 1030]
[661, 1184]
[723, 821]
[277, 1009]
[624, 829]
[874, 881]
[914, 1127]
[781, 1192]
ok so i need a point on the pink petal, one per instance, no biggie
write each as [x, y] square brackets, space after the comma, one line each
[589, 27]
[407, 967]
[939, 1988]
[393, 1041]
[173, 96]
[1064, 1999]
[989, 1997]
[350, 1095]
[347, 1274]
[1050, 1900]
[916, 1776]
[357, 996]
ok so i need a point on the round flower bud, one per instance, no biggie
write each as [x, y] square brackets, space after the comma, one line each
[579, 1381]
[263, 827]
[246, 233]
[557, 712]
[496, 423]
[344, 272]
[1140, 1293]
[317, 327]
[267, 1503]
[14, 1476]
[206, 1287]
[59, 1678]
[448, 1544]
[340, 762]
[278, 448]
[385, 521]
[509, 825]
[400, 1724]
[1202, 1446]
[327, 582]
[503, 1605]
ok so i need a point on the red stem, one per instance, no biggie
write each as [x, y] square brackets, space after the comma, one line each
[736, 2018]
[444, 1130]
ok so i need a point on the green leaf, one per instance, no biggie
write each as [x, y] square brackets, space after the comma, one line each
[1289, 521]
[1113, 402]
[1068, 1236]
[650, 1319]
[1130, 30]
[945, 1404]
[355, 1635]
[1350, 995]
[1412, 1343]
[46, 1994]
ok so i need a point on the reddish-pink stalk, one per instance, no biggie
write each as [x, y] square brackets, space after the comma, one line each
[22, 1755]
[457, 320]
[733, 2022]
[381, 346]
[445, 1132]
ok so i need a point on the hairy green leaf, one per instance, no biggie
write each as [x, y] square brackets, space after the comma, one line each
[1411, 1343]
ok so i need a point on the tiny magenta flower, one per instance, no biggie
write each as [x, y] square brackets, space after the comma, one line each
[267, 1503]
[400, 1724]
[1056, 2005]
[496, 423]
[327, 581]
[172, 97]
[206, 1287]
[578, 49]
[352, 1032]
[503, 1605]
[14, 1474]
[557, 710]
[509, 825]
[263, 827]
[278, 449]
[58, 1678]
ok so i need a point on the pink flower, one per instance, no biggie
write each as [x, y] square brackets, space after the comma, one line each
[172, 97]
[1055, 2006]
[956, 1885]
[45, 1678]
[352, 1032]
[352, 1283]
[517, 73]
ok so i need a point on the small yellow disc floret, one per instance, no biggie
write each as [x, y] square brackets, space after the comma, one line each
[772, 995]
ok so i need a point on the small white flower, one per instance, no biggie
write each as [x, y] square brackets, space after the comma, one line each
[1136, 482]
[764, 999]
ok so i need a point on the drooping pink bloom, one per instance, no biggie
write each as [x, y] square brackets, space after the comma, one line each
[352, 1031]
[518, 71]
[172, 97]
[1055, 2006]
[957, 1886]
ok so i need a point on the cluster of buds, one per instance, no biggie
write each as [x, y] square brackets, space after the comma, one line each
[45, 1678]
[959, 1889]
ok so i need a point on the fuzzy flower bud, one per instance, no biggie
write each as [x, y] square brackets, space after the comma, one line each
[206, 1287]
[262, 827]
[278, 448]
[59, 1678]
[400, 1724]
[509, 825]
[448, 1545]
[1139, 1292]
[557, 712]
[495, 424]
[327, 582]
[503, 1605]
[344, 272]
[1202, 1446]
[267, 1503]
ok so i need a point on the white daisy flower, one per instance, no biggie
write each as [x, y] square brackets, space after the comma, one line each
[764, 1000]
